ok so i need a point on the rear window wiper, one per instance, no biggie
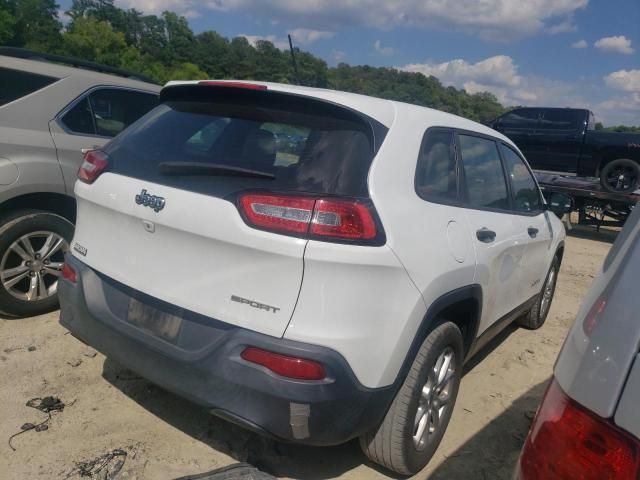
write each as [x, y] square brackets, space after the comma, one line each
[204, 168]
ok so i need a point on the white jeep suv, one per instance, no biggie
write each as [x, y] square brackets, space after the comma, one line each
[310, 264]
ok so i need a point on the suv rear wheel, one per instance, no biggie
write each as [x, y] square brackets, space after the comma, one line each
[419, 415]
[32, 248]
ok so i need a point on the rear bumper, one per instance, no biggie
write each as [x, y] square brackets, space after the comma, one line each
[203, 364]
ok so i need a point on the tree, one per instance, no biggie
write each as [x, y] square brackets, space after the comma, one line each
[599, 126]
[211, 52]
[95, 40]
[37, 25]
[180, 41]
[7, 20]
[186, 71]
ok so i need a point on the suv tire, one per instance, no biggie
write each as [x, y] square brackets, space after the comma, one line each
[32, 247]
[620, 176]
[396, 443]
[538, 314]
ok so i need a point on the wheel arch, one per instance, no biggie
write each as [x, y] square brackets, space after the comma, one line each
[462, 306]
[57, 203]
[560, 251]
[608, 156]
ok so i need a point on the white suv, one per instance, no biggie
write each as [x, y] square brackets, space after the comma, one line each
[311, 264]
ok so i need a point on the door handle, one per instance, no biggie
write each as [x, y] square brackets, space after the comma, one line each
[532, 231]
[485, 235]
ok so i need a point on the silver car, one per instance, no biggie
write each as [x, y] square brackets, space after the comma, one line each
[588, 425]
[49, 112]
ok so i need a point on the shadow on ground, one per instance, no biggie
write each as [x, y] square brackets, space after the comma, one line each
[590, 233]
[500, 443]
[302, 462]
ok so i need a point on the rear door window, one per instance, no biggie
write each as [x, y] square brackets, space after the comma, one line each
[484, 177]
[17, 84]
[526, 196]
[220, 147]
[106, 112]
[521, 118]
[560, 119]
[436, 173]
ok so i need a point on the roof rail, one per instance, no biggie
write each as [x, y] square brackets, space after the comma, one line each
[72, 61]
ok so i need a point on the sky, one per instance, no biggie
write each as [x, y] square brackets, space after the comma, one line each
[567, 53]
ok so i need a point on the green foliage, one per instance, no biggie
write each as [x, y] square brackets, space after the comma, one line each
[621, 129]
[94, 40]
[36, 24]
[7, 20]
[165, 48]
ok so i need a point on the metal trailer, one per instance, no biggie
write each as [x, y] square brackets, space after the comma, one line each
[595, 206]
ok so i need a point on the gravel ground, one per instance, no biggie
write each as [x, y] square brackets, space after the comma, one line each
[164, 437]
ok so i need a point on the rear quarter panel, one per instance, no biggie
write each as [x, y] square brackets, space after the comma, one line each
[597, 355]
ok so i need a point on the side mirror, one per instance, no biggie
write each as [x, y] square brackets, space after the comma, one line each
[559, 203]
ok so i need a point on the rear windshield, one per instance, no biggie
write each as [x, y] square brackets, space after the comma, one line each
[256, 143]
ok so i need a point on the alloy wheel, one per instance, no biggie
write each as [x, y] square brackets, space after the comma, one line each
[31, 266]
[547, 293]
[434, 399]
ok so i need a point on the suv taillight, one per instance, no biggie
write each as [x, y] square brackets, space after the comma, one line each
[327, 218]
[568, 442]
[94, 163]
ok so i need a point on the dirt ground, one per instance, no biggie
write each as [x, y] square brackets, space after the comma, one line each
[166, 437]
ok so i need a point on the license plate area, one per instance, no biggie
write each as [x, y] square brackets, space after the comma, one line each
[156, 322]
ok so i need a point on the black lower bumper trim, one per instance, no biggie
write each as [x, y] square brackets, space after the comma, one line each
[204, 365]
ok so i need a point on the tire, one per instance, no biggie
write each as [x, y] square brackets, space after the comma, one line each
[620, 176]
[392, 444]
[536, 317]
[21, 292]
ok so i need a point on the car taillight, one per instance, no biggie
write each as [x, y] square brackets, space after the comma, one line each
[310, 217]
[93, 165]
[69, 273]
[568, 442]
[342, 219]
[278, 213]
[284, 365]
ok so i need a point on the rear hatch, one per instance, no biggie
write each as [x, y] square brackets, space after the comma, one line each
[160, 209]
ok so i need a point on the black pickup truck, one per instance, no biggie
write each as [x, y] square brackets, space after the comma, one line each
[565, 140]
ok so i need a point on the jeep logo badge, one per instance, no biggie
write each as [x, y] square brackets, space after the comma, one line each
[152, 201]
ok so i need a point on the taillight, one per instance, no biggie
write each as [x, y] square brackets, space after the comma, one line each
[568, 442]
[331, 219]
[69, 273]
[284, 365]
[342, 219]
[278, 213]
[93, 165]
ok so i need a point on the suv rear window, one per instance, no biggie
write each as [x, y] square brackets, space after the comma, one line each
[17, 84]
[217, 147]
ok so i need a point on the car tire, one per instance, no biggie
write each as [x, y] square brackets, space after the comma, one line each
[620, 176]
[536, 317]
[29, 271]
[396, 443]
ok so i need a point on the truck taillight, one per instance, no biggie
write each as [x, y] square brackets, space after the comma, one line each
[93, 164]
[568, 442]
[326, 218]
